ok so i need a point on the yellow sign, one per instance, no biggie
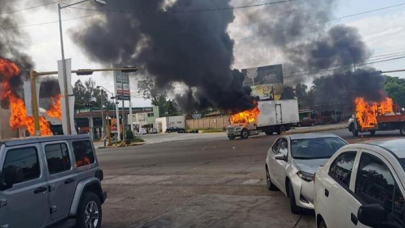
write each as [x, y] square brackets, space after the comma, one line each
[268, 91]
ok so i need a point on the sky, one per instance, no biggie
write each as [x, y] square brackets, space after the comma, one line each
[383, 32]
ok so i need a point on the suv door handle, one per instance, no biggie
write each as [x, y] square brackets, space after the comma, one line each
[70, 180]
[40, 189]
[326, 192]
[3, 203]
[354, 219]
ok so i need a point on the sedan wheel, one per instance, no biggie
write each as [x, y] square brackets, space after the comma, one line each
[270, 185]
[322, 224]
[293, 204]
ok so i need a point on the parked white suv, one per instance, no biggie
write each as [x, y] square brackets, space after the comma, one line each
[292, 161]
[362, 185]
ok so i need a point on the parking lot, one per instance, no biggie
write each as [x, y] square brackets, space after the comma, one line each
[197, 181]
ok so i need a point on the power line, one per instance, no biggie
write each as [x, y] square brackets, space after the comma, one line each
[310, 71]
[47, 23]
[323, 22]
[184, 11]
[29, 8]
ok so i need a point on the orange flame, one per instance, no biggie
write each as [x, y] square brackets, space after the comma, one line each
[248, 116]
[367, 112]
[56, 107]
[18, 116]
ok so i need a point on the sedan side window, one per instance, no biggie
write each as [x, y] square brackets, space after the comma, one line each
[376, 184]
[341, 168]
[276, 146]
[283, 147]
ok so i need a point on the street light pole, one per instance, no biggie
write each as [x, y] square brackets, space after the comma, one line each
[64, 73]
[65, 81]
[102, 115]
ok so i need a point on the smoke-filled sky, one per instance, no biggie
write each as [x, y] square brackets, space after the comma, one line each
[383, 32]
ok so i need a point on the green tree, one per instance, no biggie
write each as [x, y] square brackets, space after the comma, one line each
[88, 94]
[158, 97]
[395, 88]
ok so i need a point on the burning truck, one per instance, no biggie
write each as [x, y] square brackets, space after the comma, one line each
[376, 116]
[267, 116]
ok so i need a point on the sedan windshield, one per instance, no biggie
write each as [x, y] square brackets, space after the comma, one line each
[316, 148]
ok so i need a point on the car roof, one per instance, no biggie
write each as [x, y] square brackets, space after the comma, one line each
[312, 136]
[395, 146]
[30, 140]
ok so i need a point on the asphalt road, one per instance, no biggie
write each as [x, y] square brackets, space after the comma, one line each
[197, 181]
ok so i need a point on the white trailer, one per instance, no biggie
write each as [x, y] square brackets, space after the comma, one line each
[275, 116]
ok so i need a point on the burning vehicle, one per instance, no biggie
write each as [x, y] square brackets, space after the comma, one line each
[267, 116]
[10, 98]
[376, 116]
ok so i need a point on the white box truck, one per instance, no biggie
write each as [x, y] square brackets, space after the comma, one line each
[275, 116]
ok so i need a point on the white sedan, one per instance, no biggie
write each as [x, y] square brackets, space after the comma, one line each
[292, 161]
[362, 185]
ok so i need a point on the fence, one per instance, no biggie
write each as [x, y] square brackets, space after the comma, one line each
[208, 123]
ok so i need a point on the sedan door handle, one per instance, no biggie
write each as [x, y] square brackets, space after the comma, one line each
[70, 180]
[355, 220]
[40, 189]
[326, 192]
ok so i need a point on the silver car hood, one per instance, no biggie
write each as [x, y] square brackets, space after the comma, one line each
[309, 165]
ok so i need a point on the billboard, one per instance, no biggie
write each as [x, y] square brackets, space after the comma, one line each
[122, 88]
[266, 82]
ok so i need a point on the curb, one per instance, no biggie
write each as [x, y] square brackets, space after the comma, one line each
[130, 145]
[315, 130]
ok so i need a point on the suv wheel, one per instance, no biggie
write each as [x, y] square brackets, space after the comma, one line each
[89, 214]
[293, 204]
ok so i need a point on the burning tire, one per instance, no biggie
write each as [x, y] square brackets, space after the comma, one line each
[244, 134]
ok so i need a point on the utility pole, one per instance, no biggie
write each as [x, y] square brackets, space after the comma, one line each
[354, 63]
[123, 107]
[65, 81]
[102, 117]
[34, 103]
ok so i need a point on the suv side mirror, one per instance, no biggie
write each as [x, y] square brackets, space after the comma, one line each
[281, 157]
[373, 215]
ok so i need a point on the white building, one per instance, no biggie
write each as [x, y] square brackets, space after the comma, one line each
[172, 121]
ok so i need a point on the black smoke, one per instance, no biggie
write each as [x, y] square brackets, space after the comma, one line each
[12, 42]
[174, 43]
[49, 88]
[339, 90]
[191, 48]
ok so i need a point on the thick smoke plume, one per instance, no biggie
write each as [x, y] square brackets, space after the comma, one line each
[192, 48]
[337, 91]
[12, 41]
[176, 44]
[310, 47]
